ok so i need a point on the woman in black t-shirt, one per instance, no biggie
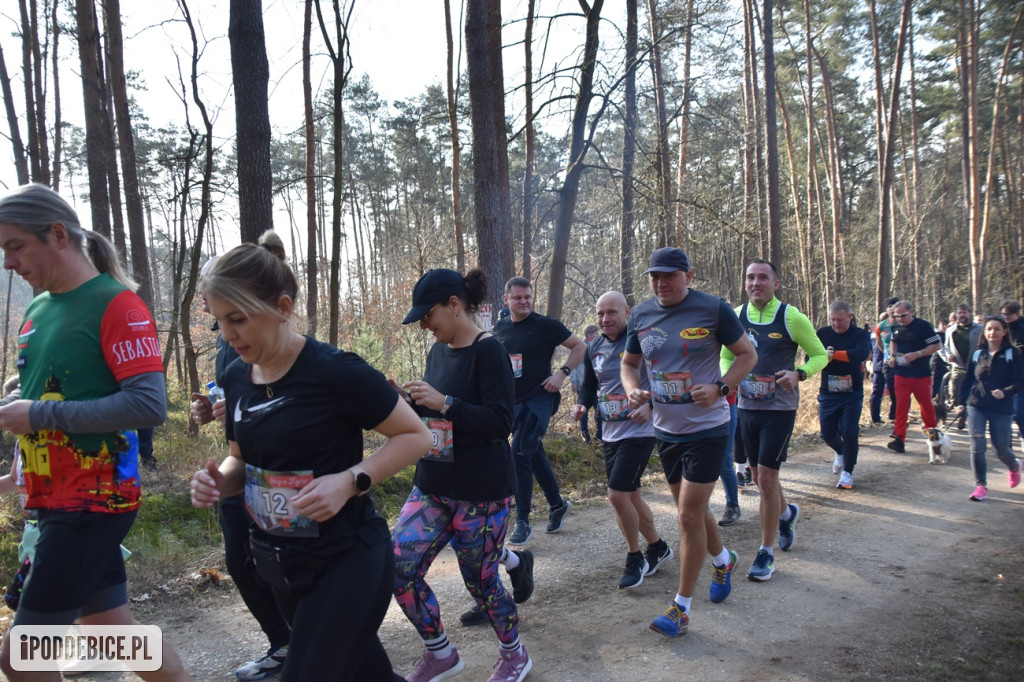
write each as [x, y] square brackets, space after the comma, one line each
[462, 486]
[296, 409]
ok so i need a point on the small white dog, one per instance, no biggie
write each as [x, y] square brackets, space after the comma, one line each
[940, 447]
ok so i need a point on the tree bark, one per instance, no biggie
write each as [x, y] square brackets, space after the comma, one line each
[578, 146]
[126, 140]
[530, 133]
[95, 126]
[490, 142]
[309, 128]
[250, 73]
[684, 125]
[17, 147]
[662, 170]
[453, 127]
[626, 227]
[771, 140]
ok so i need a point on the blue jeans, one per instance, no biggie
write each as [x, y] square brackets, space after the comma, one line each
[839, 414]
[728, 475]
[1018, 413]
[999, 430]
[528, 429]
[877, 392]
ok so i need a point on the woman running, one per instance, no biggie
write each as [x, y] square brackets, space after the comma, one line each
[296, 410]
[994, 375]
[462, 487]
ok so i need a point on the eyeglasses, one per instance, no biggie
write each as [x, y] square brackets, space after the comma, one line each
[426, 318]
[900, 315]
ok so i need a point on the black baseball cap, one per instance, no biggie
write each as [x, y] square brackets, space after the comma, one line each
[436, 286]
[668, 259]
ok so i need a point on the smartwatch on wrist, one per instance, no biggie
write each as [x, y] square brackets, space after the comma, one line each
[723, 388]
[802, 374]
[448, 400]
[565, 369]
[362, 479]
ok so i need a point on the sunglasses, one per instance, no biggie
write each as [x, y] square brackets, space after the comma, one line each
[430, 312]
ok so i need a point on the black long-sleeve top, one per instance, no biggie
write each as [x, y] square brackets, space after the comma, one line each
[986, 373]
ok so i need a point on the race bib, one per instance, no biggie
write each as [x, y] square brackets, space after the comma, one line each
[840, 384]
[268, 498]
[517, 364]
[672, 387]
[614, 407]
[443, 448]
[758, 387]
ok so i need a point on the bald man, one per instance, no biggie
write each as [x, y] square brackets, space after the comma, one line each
[627, 440]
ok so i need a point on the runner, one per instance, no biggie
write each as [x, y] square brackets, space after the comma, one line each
[679, 334]
[296, 412]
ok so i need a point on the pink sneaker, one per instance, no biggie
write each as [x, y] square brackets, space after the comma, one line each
[431, 668]
[512, 666]
[1015, 476]
[980, 493]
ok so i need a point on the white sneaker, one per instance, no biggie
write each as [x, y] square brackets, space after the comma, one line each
[267, 665]
[837, 464]
[845, 481]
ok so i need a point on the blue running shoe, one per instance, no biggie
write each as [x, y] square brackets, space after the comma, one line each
[763, 567]
[721, 585]
[672, 623]
[787, 529]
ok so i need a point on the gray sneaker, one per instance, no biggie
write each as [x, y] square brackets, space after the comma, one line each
[731, 516]
[521, 534]
[787, 529]
[556, 517]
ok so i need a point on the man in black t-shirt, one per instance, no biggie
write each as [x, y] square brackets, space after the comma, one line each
[913, 340]
[531, 340]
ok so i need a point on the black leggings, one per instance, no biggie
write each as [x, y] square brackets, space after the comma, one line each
[234, 524]
[334, 626]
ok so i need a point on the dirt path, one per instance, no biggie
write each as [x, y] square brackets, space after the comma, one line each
[901, 578]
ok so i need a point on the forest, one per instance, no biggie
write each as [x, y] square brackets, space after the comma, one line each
[867, 148]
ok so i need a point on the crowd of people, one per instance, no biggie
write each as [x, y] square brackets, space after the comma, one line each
[713, 389]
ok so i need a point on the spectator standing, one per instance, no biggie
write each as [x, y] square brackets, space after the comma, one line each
[960, 341]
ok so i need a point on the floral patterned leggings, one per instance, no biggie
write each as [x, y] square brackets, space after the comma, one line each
[427, 523]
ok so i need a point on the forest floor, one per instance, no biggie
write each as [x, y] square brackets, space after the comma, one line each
[901, 578]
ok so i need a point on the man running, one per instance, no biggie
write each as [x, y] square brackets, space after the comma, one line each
[627, 440]
[913, 340]
[768, 398]
[531, 339]
[841, 396]
[679, 334]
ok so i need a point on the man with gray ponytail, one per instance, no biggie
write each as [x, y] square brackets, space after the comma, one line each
[91, 375]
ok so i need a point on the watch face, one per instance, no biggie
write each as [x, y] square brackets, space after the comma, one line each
[363, 482]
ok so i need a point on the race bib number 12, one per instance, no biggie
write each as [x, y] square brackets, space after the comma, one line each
[268, 496]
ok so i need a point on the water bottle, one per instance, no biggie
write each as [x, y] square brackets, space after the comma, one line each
[215, 392]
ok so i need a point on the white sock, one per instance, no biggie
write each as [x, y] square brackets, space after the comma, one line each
[740, 468]
[786, 515]
[510, 560]
[722, 559]
[514, 646]
[440, 646]
[767, 549]
[683, 602]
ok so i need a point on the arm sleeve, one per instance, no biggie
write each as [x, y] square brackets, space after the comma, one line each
[141, 402]
[861, 350]
[726, 358]
[802, 331]
[588, 390]
[492, 419]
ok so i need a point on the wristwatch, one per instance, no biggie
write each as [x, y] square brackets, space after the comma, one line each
[565, 369]
[802, 374]
[723, 389]
[362, 479]
[448, 400]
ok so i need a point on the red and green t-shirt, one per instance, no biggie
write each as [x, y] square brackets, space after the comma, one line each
[77, 346]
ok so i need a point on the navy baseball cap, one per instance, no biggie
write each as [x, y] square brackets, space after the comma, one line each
[436, 286]
[668, 259]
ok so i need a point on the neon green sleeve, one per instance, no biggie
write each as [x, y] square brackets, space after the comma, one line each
[726, 357]
[802, 331]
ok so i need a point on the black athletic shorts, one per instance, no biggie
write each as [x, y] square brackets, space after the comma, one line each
[78, 569]
[625, 462]
[697, 461]
[763, 436]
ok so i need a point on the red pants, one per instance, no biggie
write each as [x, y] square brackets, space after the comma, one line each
[921, 389]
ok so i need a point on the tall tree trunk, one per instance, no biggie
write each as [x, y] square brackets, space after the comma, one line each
[835, 176]
[32, 130]
[884, 275]
[17, 147]
[990, 173]
[751, 207]
[58, 124]
[126, 144]
[250, 73]
[628, 154]
[453, 127]
[95, 126]
[578, 145]
[684, 125]
[490, 142]
[338, 53]
[531, 143]
[771, 140]
[309, 129]
[662, 169]
[40, 98]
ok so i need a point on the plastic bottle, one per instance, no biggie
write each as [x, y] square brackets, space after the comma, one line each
[215, 392]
